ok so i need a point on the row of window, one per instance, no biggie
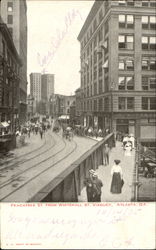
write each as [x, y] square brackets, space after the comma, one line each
[128, 64]
[145, 3]
[127, 42]
[127, 103]
[127, 21]
[148, 42]
[126, 83]
[98, 53]
[148, 22]
[148, 64]
[148, 83]
[93, 28]
[124, 103]
[148, 103]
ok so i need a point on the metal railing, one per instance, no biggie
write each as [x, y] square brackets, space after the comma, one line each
[67, 186]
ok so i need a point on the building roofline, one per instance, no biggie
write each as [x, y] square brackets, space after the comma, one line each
[60, 95]
[91, 15]
[37, 73]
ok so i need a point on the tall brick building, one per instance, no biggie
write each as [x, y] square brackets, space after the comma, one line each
[118, 81]
[10, 64]
[14, 15]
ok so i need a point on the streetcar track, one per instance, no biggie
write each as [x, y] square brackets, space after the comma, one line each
[23, 155]
[5, 183]
[42, 170]
[23, 161]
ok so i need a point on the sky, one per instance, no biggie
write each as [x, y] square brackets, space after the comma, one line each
[53, 28]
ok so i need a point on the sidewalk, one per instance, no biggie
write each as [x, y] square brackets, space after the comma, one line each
[127, 164]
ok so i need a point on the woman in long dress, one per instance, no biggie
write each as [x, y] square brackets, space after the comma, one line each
[117, 177]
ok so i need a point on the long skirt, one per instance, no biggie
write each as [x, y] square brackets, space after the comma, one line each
[116, 184]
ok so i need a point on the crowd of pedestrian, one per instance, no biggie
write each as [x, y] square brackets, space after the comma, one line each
[30, 128]
[90, 131]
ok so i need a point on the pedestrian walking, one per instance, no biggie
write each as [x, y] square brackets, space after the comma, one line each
[96, 188]
[89, 185]
[41, 132]
[128, 149]
[132, 140]
[106, 152]
[125, 140]
[117, 178]
[36, 129]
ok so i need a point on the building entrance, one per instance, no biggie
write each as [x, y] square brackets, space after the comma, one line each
[122, 125]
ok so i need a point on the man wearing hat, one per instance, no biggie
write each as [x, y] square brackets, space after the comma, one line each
[89, 185]
[96, 189]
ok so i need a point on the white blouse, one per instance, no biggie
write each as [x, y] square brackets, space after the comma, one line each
[117, 169]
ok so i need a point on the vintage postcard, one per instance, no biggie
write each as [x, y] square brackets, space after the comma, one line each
[77, 124]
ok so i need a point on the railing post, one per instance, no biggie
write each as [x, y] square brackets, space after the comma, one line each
[137, 163]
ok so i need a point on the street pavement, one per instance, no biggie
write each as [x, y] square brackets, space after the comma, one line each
[31, 144]
[23, 188]
[104, 173]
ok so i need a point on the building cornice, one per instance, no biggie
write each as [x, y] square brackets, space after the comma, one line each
[96, 6]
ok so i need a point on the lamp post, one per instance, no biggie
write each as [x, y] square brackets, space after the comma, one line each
[111, 95]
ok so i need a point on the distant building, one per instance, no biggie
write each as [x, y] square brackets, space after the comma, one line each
[47, 86]
[10, 64]
[42, 88]
[118, 82]
[35, 86]
[62, 104]
[14, 14]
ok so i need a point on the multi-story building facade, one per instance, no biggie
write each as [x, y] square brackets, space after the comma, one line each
[47, 86]
[10, 64]
[35, 91]
[62, 105]
[118, 81]
[47, 90]
[35, 86]
[42, 88]
[14, 14]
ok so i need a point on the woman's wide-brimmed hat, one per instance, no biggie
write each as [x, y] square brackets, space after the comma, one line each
[91, 171]
[117, 161]
[95, 175]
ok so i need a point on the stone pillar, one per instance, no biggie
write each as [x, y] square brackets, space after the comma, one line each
[137, 51]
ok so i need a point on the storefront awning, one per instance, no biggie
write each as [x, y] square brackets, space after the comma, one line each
[4, 124]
